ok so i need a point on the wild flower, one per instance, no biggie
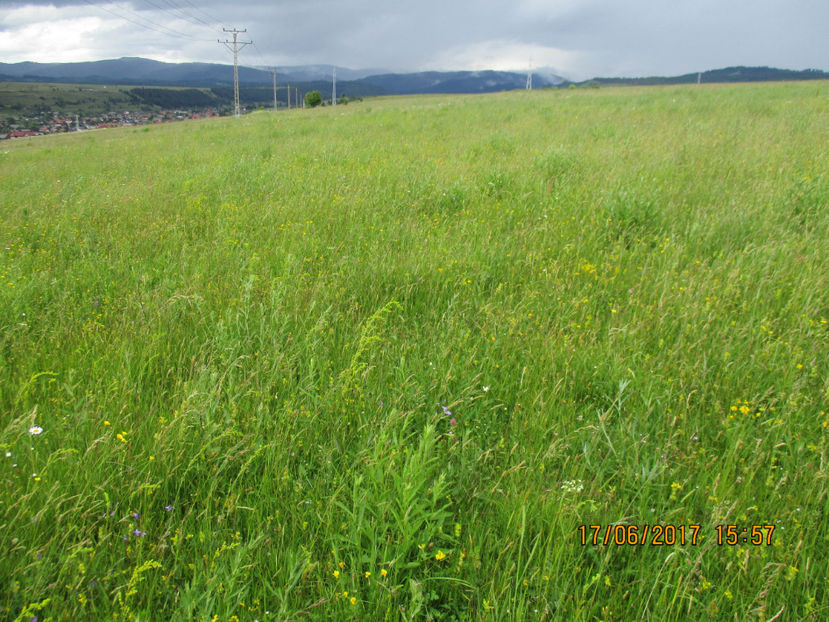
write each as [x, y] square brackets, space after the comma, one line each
[138, 533]
[572, 485]
[383, 572]
[486, 388]
[440, 555]
[453, 421]
[35, 430]
[168, 508]
[446, 411]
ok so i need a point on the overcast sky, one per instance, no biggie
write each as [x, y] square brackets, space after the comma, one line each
[578, 38]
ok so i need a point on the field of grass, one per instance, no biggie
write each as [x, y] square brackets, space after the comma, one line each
[382, 361]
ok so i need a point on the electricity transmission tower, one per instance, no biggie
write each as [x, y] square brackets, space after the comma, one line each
[530, 76]
[274, 89]
[334, 89]
[235, 49]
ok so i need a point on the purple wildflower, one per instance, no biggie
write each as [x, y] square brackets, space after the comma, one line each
[139, 534]
[446, 411]
[168, 508]
[135, 515]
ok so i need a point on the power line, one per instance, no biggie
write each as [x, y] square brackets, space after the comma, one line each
[183, 11]
[265, 63]
[180, 13]
[235, 49]
[215, 20]
[156, 27]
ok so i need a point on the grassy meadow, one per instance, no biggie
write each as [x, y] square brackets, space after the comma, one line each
[381, 361]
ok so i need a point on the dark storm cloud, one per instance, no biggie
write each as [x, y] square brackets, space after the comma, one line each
[580, 38]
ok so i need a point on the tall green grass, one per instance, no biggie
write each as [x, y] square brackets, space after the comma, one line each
[380, 361]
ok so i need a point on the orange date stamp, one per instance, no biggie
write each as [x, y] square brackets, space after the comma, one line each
[639, 535]
[672, 535]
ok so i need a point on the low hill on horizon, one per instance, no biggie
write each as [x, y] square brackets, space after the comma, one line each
[357, 83]
[144, 72]
[725, 75]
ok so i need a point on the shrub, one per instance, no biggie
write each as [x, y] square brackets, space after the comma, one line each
[313, 99]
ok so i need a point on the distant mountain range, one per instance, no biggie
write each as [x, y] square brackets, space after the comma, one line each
[356, 83]
[140, 71]
[729, 74]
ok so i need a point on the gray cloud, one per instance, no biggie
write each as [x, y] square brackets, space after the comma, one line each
[580, 38]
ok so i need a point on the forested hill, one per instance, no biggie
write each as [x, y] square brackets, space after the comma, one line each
[729, 74]
[359, 83]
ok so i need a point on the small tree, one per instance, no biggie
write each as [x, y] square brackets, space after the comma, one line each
[313, 99]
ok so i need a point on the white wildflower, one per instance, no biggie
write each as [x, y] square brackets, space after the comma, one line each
[572, 485]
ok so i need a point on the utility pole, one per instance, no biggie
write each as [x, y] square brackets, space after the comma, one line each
[296, 97]
[289, 97]
[235, 49]
[274, 88]
[334, 90]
